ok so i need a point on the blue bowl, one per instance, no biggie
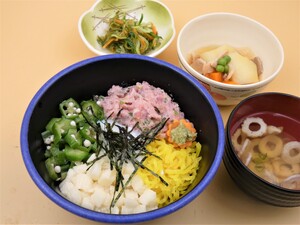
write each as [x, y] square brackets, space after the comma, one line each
[95, 76]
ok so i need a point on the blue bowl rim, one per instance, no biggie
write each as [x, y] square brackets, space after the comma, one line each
[111, 218]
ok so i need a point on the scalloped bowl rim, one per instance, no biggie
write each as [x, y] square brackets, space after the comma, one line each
[112, 218]
[152, 54]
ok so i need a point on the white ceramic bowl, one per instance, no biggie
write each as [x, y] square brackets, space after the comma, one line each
[93, 21]
[238, 31]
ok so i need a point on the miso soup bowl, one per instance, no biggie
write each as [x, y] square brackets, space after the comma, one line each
[277, 109]
[220, 28]
[95, 76]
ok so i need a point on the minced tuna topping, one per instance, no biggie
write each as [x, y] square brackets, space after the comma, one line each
[141, 103]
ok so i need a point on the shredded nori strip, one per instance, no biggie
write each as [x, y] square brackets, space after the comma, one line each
[123, 147]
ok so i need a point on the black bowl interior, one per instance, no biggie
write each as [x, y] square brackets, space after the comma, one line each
[276, 109]
[96, 77]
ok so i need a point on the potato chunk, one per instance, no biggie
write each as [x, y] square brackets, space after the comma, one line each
[244, 69]
[213, 55]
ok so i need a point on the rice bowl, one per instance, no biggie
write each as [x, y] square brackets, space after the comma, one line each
[210, 127]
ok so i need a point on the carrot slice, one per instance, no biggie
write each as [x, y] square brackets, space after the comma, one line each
[217, 76]
[144, 46]
[121, 22]
[154, 30]
[175, 124]
[229, 82]
[109, 42]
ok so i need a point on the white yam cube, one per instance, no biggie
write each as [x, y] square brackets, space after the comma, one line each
[98, 197]
[244, 69]
[129, 193]
[148, 198]
[150, 208]
[75, 196]
[127, 169]
[66, 187]
[126, 177]
[95, 171]
[138, 185]
[107, 177]
[131, 202]
[120, 201]
[107, 200]
[105, 163]
[111, 189]
[86, 194]
[115, 210]
[87, 203]
[81, 168]
[83, 182]
[126, 210]
[140, 209]
[103, 209]
[71, 173]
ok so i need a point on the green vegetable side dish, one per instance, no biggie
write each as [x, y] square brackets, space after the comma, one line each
[130, 35]
[94, 22]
